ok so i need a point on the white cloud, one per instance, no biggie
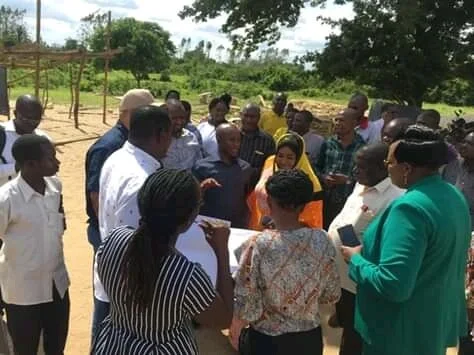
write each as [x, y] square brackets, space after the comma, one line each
[61, 19]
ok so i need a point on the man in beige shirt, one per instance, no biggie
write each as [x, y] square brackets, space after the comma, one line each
[373, 192]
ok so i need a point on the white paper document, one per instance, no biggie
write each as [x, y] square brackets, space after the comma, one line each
[194, 246]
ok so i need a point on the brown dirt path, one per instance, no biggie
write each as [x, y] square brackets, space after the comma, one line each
[78, 251]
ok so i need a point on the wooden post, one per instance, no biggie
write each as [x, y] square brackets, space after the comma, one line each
[38, 46]
[71, 86]
[78, 90]
[106, 69]
[46, 88]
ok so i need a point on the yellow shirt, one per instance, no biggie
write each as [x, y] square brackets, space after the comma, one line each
[270, 122]
[280, 133]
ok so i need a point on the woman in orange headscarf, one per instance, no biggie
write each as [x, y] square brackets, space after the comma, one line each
[291, 154]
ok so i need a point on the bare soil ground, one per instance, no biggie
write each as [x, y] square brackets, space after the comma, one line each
[79, 252]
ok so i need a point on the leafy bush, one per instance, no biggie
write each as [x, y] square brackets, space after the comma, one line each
[165, 76]
[456, 92]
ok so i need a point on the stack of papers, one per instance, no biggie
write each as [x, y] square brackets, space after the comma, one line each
[194, 246]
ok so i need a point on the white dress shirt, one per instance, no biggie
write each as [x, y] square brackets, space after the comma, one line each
[7, 171]
[121, 177]
[183, 152]
[373, 133]
[31, 258]
[362, 206]
[209, 140]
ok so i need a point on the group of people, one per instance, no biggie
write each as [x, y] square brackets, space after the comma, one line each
[405, 193]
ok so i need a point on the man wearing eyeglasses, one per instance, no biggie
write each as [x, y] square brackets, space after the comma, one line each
[28, 113]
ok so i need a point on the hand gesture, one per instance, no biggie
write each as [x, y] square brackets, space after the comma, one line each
[217, 235]
[338, 179]
[209, 184]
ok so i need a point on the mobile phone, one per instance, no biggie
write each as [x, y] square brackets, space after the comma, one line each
[348, 236]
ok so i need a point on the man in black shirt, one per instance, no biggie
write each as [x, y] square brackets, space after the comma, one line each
[227, 198]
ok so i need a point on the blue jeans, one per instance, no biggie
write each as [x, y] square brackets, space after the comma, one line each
[101, 311]
[93, 235]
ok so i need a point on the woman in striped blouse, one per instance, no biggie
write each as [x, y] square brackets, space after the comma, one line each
[154, 290]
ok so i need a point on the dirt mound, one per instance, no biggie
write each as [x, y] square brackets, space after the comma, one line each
[323, 110]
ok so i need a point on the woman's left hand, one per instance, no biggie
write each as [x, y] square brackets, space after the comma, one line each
[234, 331]
[348, 252]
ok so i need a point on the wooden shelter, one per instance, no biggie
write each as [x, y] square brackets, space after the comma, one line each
[31, 56]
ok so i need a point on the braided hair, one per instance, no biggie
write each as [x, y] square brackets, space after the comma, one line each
[291, 189]
[166, 201]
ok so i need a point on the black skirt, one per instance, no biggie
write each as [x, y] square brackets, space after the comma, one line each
[252, 342]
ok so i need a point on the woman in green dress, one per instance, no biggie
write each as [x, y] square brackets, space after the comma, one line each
[410, 270]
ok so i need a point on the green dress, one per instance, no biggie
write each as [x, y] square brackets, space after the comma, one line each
[410, 275]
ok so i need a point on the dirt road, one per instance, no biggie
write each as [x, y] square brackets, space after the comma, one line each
[79, 252]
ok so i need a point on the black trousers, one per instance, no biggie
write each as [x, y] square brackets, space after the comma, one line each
[253, 342]
[25, 324]
[351, 342]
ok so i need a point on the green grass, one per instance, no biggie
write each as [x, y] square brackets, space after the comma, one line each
[63, 97]
[88, 99]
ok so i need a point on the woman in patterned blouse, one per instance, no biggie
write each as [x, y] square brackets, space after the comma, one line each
[284, 275]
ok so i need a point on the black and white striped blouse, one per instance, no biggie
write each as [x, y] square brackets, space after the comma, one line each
[182, 290]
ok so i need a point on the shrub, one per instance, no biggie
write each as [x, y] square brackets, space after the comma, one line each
[165, 76]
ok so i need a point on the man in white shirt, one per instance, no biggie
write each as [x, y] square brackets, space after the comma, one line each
[368, 130]
[121, 177]
[33, 277]
[313, 142]
[28, 113]
[218, 109]
[185, 149]
[373, 192]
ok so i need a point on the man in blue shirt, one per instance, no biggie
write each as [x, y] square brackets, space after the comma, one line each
[96, 156]
[98, 153]
[227, 199]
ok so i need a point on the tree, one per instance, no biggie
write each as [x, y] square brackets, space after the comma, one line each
[91, 24]
[260, 20]
[146, 47]
[220, 49]
[182, 47]
[71, 44]
[401, 48]
[12, 27]
[208, 49]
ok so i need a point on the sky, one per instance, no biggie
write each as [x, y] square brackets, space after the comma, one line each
[61, 20]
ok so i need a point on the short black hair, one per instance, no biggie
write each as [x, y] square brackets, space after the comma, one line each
[28, 148]
[432, 114]
[169, 93]
[388, 106]
[187, 106]
[422, 147]
[148, 121]
[216, 101]
[308, 116]
[290, 188]
[227, 99]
